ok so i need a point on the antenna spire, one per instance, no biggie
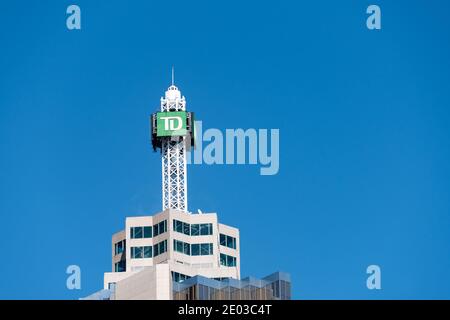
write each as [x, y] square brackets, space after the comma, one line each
[173, 75]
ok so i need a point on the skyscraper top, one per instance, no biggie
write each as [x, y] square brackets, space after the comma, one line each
[173, 93]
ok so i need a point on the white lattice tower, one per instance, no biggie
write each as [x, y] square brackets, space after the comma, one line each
[173, 153]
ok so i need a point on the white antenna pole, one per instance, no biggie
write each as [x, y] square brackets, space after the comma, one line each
[173, 75]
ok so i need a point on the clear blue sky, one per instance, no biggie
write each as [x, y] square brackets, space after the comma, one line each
[364, 174]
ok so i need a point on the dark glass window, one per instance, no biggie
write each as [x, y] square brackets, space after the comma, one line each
[136, 232]
[179, 277]
[231, 242]
[159, 248]
[227, 241]
[178, 226]
[205, 229]
[140, 232]
[178, 245]
[136, 252]
[223, 240]
[187, 249]
[195, 249]
[226, 260]
[147, 252]
[147, 232]
[119, 247]
[204, 249]
[186, 228]
[231, 261]
[160, 228]
[156, 250]
[120, 266]
[223, 259]
[195, 230]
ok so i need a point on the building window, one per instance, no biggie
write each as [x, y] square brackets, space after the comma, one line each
[141, 252]
[147, 232]
[206, 249]
[206, 229]
[195, 230]
[202, 249]
[179, 277]
[120, 266]
[135, 252]
[178, 246]
[140, 232]
[119, 247]
[228, 261]
[136, 232]
[187, 248]
[178, 226]
[159, 248]
[227, 241]
[186, 229]
[182, 247]
[195, 249]
[147, 251]
[159, 228]
[203, 229]
[181, 227]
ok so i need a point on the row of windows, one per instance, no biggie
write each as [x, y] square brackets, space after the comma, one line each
[179, 277]
[141, 252]
[228, 261]
[140, 232]
[146, 232]
[119, 247]
[182, 247]
[149, 251]
[202, 229]
[120, 266]
[227, 241]
[196, 249]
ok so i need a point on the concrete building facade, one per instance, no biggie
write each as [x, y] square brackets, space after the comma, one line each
[190, 244]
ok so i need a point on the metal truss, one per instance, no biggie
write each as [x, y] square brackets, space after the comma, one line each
[173, 158]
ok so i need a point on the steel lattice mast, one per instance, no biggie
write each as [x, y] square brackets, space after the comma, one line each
[172, 132]
[173, 157]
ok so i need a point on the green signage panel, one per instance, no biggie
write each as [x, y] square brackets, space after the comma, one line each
[169, 124]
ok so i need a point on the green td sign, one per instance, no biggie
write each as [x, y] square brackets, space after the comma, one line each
[171, 123]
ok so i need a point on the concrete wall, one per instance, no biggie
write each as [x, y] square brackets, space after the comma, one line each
[151, 283]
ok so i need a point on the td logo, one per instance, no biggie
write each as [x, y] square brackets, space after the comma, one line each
[171, 123]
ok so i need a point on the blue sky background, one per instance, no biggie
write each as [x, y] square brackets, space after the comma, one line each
[364, 172]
